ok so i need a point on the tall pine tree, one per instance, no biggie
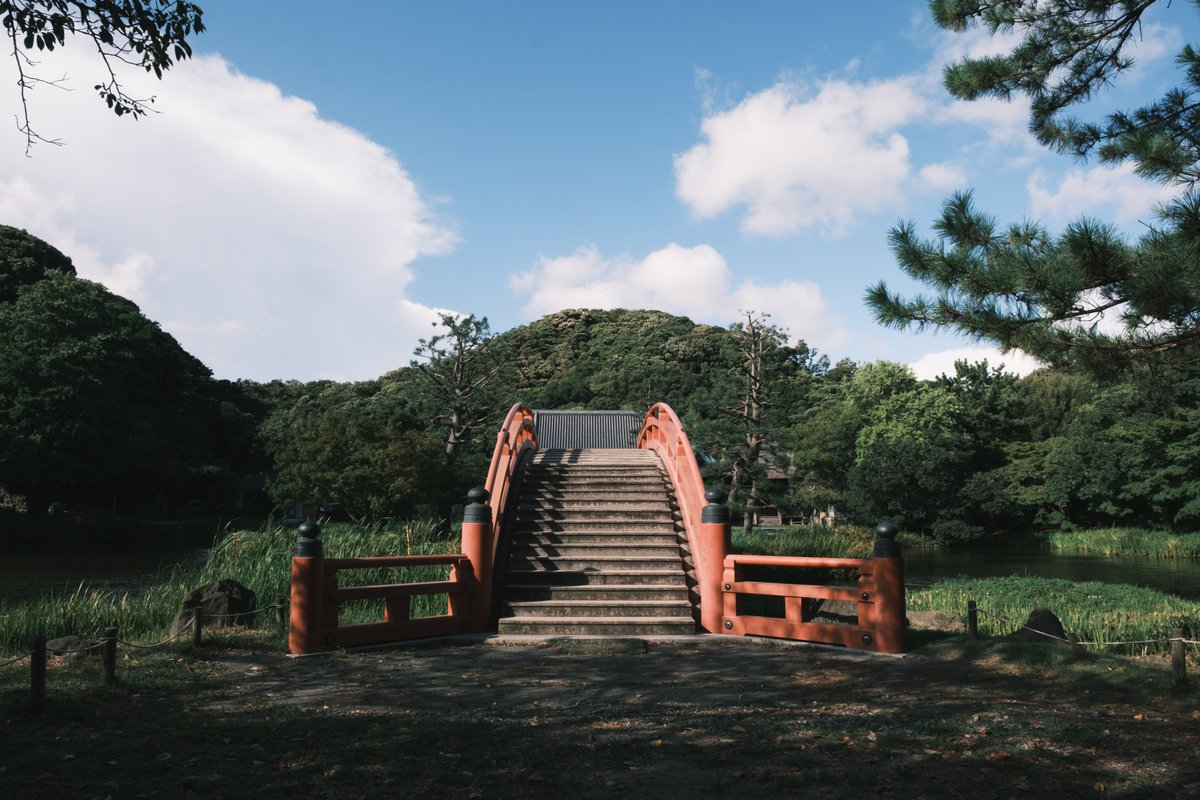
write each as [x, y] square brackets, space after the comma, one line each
[1023, 287]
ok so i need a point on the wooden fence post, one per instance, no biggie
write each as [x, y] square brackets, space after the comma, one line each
[197, 625]
[1178, 658]
[281, 613]
[305, 634]
[108, 654]
[477, 547]
[714, 546]
[891, 614]
[37, 672]
[972, 620]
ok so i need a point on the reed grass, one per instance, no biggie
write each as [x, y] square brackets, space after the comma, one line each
[814, 541]
[260, 560]
[1104, 613]
[1128, 542]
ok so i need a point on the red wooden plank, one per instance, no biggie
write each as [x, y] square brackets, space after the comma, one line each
[739, 559]
[398, 590]
[847, 635]
[795, 590]
[385, 562]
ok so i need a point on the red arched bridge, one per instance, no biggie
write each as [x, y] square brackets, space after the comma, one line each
[604, 528]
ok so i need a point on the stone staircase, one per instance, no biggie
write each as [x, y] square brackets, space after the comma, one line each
[596, 549]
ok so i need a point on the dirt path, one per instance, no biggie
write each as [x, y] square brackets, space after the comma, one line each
[718, 717]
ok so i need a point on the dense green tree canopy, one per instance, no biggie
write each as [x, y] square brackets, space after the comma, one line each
[94, 397]
[26, 259]
[1022, 286]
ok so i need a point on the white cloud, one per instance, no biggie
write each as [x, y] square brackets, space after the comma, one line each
[932, 365]
[1115, 191]
[943, 176]
[692, 281]
[236, 217]
[799, 156]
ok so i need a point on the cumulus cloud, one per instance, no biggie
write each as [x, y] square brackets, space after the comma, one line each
[797, 155]
[692, 281]
[235, 218]
[1115, 191]
[933, 365]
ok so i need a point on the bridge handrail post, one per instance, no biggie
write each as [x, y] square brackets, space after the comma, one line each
[891, 615]
[305, 634]
[715, 544]
[477, 547]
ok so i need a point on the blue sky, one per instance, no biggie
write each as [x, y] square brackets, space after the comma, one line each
[323, 179]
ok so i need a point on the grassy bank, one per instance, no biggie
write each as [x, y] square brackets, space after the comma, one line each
[261, 560]
[1128, 542]
[1090, 611]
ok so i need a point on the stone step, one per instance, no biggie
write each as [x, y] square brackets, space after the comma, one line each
[584, 551]
[588, 497]
[597, 563]
[601, 482]
[592, 526]
[570, 514]
[609, 593]
[615, 538]
[597, 608]
[597, 626]
[597, 501]
[523, 574]
[593, 454]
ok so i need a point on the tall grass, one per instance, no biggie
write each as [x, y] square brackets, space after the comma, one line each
[814, 541]
[260, 560]
[1090, 611]
[1128, 542]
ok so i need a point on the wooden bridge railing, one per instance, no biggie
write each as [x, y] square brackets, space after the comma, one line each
[316, 598]
[707, 538]
[879, 595]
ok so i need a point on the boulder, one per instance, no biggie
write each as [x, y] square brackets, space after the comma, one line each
[72, 647]
[221, 601]
[1045, 628]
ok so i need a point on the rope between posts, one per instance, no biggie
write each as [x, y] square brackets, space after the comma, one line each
[168, 640]
[87, 649]
[12, 661]
[243, 613]
[1090, 644]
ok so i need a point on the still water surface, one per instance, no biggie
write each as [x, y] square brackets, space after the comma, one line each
[28, 575]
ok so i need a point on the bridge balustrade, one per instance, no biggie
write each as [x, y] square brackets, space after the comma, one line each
[316, 598]
[878, 595]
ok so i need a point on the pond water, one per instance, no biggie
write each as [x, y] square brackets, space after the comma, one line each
[27, 575]
[1179, 576]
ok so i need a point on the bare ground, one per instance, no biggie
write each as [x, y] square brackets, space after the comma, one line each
[698, 717]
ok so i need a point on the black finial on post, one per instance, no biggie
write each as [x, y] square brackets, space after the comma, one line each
[477, 509]
[308, 542]
[716, 510]
[886, 545]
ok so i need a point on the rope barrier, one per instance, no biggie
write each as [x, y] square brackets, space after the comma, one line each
[87, 649]
[1090, 644]
[244, 613]
[12, 661]
[168, 640]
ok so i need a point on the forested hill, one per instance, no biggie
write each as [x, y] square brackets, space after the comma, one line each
[621, 359]
[100, 409]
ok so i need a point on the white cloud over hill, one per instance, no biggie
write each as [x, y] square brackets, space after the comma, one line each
[235, 218]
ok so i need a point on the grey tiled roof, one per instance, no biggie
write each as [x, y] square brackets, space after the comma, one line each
[571, 430]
